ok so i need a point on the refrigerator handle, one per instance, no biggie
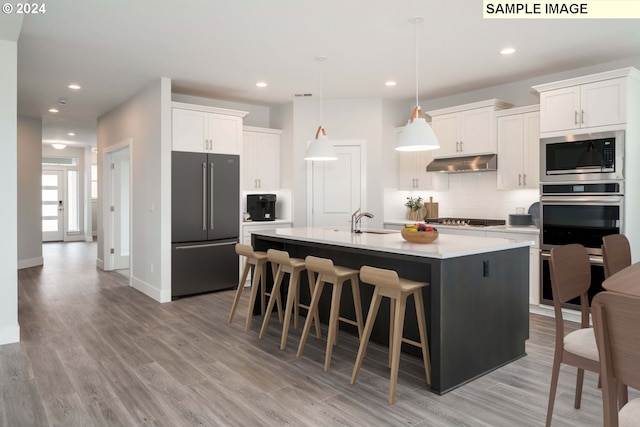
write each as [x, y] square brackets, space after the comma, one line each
[211, 197]
[204, 196]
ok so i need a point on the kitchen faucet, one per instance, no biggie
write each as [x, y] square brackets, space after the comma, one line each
[355, 220]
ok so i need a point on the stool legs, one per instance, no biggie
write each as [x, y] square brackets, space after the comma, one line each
[422, 330]
[368, 327]
[236, 299]
[398, 325]
[333, 323]
[311, 315]
[292, 297]
[275, 294]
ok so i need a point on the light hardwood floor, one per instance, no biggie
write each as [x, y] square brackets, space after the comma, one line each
[95, 352]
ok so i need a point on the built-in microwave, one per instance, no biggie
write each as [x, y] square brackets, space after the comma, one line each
[588, 157]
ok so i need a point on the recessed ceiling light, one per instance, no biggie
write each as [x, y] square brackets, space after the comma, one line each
[71, 134]
[390, 83]
[261, 84]
[54, 110]
[74, 86]
[507, 51]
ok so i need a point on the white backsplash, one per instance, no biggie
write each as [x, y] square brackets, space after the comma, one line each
[470, 195]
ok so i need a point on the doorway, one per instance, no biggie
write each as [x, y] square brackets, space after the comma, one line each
[117, 208]
[52, 205]
[338, 187]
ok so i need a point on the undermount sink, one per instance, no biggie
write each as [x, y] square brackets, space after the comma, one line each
[376, 231]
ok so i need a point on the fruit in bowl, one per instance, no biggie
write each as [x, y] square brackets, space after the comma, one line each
[419, 233]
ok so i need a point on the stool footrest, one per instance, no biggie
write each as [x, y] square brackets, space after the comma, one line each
[408, 341]
[349, 321]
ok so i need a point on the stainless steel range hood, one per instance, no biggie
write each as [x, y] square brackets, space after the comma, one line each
[481, 163]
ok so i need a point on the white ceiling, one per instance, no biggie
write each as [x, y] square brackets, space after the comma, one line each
[220, 49]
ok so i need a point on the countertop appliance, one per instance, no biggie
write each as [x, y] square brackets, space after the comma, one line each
[466, 222]
[589, 157]
[261, 207]
[205, 222]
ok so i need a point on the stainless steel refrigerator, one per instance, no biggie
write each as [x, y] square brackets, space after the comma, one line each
[205, 222]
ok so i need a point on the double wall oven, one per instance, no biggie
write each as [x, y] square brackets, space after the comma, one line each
[582, 199]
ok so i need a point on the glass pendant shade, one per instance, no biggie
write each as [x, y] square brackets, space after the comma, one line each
[321, 148]
[417, 135]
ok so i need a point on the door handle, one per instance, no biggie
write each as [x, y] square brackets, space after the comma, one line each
[204, 196]
[211, 200]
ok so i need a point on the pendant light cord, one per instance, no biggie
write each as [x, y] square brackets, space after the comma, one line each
[321, 90]
[417, 23]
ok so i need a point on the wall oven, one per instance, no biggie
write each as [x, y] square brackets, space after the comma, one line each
[589, 157]
[578, 212]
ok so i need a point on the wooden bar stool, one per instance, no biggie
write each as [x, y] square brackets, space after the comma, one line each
[259, 261]
[388, 284]
[328, 273]
[293, 266]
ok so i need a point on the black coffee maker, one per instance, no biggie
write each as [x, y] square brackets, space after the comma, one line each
[261, 207]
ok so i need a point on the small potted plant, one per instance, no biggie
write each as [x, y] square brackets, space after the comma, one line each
[415, 207]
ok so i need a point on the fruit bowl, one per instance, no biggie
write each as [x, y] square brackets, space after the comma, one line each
[419, 236]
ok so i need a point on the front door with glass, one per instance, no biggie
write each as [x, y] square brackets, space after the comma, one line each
[52, 206]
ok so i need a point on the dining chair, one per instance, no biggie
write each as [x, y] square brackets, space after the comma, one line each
[616, 253]
[616, 318]
[570, 278]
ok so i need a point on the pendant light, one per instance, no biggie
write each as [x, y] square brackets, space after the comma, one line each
[417, 135]
[320, 148]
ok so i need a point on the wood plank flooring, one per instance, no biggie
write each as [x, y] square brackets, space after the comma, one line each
[95, 352]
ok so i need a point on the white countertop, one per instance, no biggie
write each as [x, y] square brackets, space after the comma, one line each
[445, 246]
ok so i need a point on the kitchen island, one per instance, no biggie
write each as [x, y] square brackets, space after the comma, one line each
[476, 305]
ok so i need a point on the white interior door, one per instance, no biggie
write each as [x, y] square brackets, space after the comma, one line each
[338, 186]
[52, 205]
[119, 199]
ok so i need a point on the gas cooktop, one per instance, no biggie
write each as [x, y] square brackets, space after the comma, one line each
[466, 222]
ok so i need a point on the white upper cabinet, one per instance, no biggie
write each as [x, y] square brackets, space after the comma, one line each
[588, 102]
[466, 130]
[518, 148]
[412, 171]
[206, 129]
[260, 159]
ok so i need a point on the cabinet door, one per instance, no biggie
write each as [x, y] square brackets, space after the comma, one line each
[531, 150]
[225, 133]
[603, 103]
[510, 151]
[406, 171]
[446, 129]
[189, 130]
[248, 161]
[476, 132]
[559, 109]
[267, 161]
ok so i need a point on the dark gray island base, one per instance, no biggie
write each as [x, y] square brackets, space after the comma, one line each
[476, 305]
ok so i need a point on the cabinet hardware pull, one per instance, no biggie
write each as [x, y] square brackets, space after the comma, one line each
[259, 183]
[204, 196]
[461, 146]
[582, 117]
[524, 179]
[519, 180]
[457, 146]
[575, 120]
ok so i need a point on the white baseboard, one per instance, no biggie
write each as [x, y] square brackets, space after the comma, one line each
[10, 334]
[150, 291]
[27, 263]
[100, 263]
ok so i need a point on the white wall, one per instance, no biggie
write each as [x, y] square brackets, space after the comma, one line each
[343, 119]
[9, 327]
[29, 192]
[145, 119]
